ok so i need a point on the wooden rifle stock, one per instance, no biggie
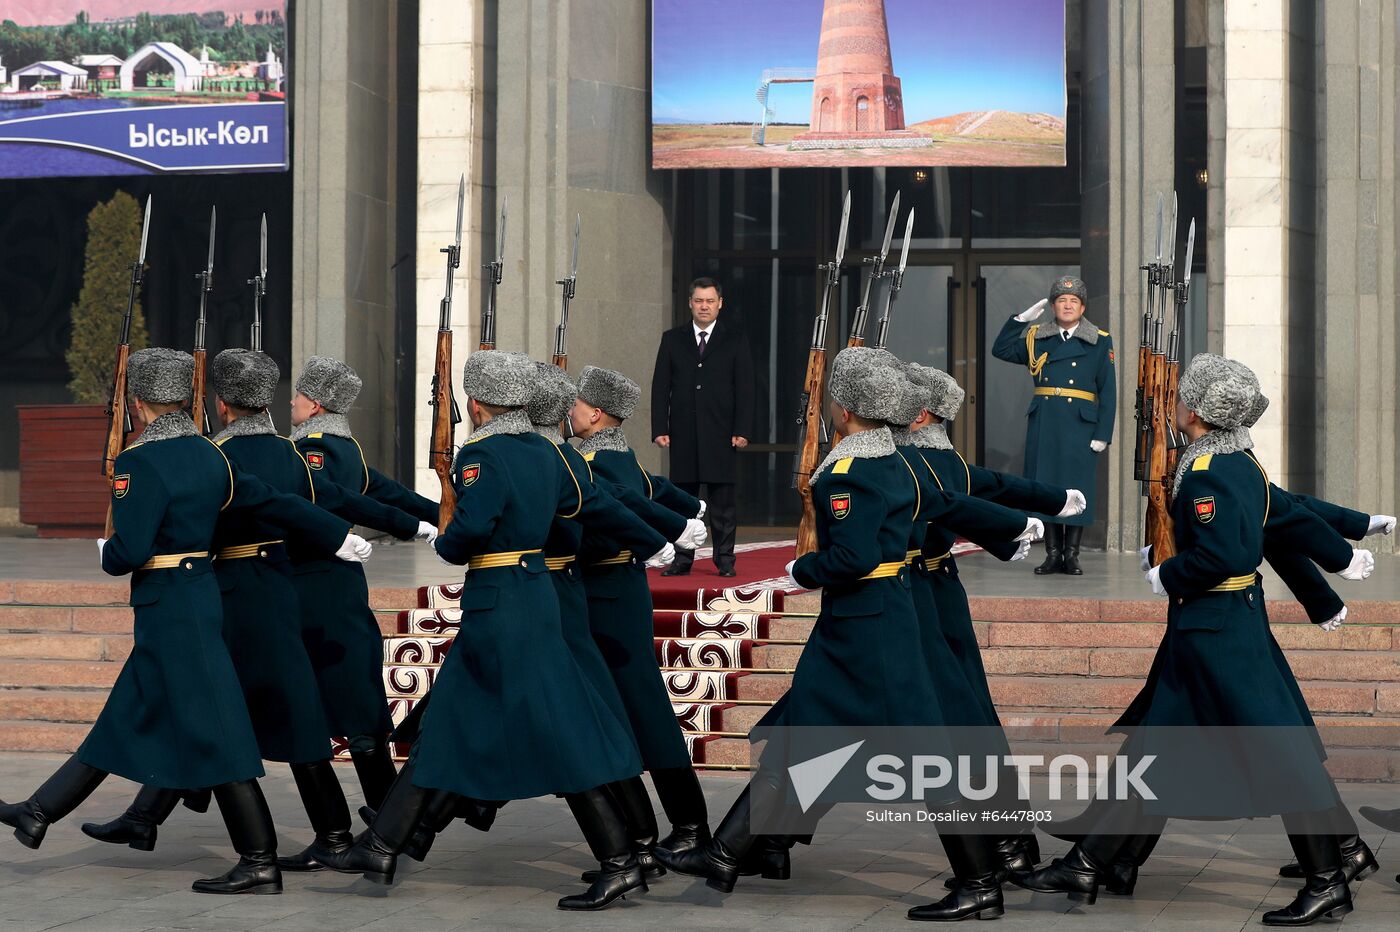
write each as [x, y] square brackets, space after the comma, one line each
[811, 448]
[197, 393]
[118, 417]
[1158, 531]
[440, 458]
[561, 361]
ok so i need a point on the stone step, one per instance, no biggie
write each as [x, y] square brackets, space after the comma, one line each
[51, 705]
[75, 674]
[55, 737]
[64, 646]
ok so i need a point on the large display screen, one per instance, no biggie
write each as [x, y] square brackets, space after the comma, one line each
[807, 83]
[128, 87]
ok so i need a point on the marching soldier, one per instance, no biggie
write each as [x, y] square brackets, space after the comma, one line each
[620, 608]
[341, 634]
[512, 715]
[1070, 419]
[176, 717]
[1215, 666]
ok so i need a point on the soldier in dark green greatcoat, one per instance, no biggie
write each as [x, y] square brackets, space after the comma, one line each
[512, 715]
[341, 634]
[1216, 668]
[1070, 419]
[176, 717]
[863, 664]
[620, 607]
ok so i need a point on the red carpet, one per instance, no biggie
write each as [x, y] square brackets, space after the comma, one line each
[761, 566]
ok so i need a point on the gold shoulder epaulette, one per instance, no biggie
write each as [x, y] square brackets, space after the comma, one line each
[1103, 333]
[588, 457]
[843, 466]
[221, 441]
[315, 436]
[1202, 462]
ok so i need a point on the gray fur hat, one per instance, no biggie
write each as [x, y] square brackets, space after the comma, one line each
[245, 378]
[946, 395]
[913, 399]
[1068, 284]
[1223, 392]
[553, 395]
[495, 377]
[612, 391]
[864, 383]
[329, 382]
[160, 376]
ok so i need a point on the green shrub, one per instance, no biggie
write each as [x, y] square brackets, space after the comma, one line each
[113, 241]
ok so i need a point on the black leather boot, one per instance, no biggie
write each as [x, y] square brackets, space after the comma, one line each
[1016, 853]
[60, 794]
[606, 833]
[197, 800]
[375, 768]
[1122, 875]
[718, 861]
[678, 790]
[1072, 535]
[1388, 819]
[1054, 550]
[479, 814]
[769, 858]
[632, 801]
[375, 853]
[1075, 874]
[136, 828]
[1358, 862]
[1325, 895]
[250, 829]
[975, 860]
[324, 802]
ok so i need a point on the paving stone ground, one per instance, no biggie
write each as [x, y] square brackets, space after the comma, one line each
[1204, 876]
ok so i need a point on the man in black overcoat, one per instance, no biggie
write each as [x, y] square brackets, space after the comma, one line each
[702, 410]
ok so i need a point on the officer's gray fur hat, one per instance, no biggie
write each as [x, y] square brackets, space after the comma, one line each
[329, 382]
[612, 391]
[864, 383]
[552, 397]
[245, 378]
[495, 377]
[946, 395]
[1223, 392]
[1068, 284]
[160, 376]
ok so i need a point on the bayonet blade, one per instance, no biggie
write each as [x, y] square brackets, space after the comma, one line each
[1190, 252]
[573, 266]
[1160, 204]
[908, 235]
[1171, 235]
[145, 231]
[213, 221]
[889, 228]
[845, 225]
[262, 247]
[461, 200]
[501, 233]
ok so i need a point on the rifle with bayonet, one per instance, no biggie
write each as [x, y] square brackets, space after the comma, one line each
[118, 414]
[569, 283]
[446, 416]
[198, 410]
[811, 424]
[1182, 293]
[1143, 435]
[494, 271]
[877, 272]
[882, 330]
[259, 283]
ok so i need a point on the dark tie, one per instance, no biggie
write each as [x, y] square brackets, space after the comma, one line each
[703, 337]
[1064, 335]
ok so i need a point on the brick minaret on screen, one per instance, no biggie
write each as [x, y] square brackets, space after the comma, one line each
[855, 89]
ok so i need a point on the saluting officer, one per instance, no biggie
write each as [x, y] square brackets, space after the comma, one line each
[1070, 419]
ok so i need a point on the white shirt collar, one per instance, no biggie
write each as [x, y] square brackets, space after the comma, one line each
[705, 330]
[1069, 330]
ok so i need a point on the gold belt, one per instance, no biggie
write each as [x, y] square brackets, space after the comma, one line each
[933, 563]
[487, 561]
[911, 556]
[1067, 393]
[885, 570]
[559, 563]
[168, 561]
[623, 557]
[1236, 583]
[244, 551]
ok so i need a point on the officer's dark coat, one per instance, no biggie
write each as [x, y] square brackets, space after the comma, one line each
[1218, 665]
[176, 716]
[620, 614]
[703, 403]
[512, 715]
[1059, 429]
[341, 634]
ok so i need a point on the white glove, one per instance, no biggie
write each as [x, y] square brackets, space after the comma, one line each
[1335, 622]
[1035, 530]
[1381, 524]
[426, 532]
[694, 535]
[1023, 548]
[1360, 567]
[788, 570]
[101, 543]
[1075, 504]
[662, 557]
[355, 549]
[1145, 558]
[443, 560]
[1034, 311]
[701, 513]
[1154, 579]
[1098, 446]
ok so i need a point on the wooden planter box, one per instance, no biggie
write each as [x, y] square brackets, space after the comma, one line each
[61, 488]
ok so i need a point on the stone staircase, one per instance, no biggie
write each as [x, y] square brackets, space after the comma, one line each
[1059, 668]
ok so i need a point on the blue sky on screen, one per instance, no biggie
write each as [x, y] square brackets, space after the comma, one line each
[951, 56]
